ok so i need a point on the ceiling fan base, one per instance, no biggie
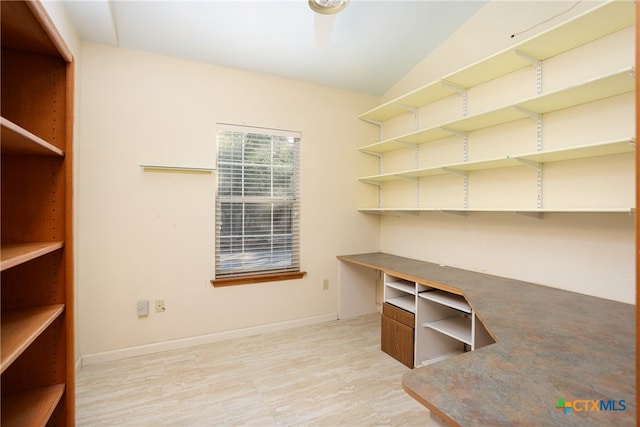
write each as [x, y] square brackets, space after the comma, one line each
[327, 10]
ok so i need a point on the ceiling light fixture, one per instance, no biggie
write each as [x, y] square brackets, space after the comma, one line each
[328, 7]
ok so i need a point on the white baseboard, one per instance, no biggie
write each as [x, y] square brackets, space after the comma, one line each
[140, 350]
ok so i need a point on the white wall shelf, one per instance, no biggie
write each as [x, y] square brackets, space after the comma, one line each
[622, 81]
[458, 161]
[589, 26]
[570, 153]
[532, 212]
[177, 169]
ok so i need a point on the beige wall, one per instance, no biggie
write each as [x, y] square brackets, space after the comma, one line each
[587, 253]
[151, 235]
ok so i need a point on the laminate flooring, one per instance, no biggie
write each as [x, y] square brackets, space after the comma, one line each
[328, 374]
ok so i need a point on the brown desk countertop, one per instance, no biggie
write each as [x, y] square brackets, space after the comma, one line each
[551, 344]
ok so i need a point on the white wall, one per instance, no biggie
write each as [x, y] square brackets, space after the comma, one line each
[587, 253]
[151, 235]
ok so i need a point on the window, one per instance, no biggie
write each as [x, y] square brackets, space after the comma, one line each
[257, 204]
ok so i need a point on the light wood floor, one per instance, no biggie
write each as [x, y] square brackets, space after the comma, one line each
[329, 374]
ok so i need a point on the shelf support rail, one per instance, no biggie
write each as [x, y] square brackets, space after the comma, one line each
[538, 117]
[461, 91]
[538, 168]
[417, 181]
[414, 110]
[465, 158]
[536, 63]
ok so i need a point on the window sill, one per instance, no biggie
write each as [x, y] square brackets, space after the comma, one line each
[258, 278]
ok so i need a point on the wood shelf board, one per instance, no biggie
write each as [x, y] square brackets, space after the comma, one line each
[414, 99]
[456, 327]
[406, 302]
[582, 29]
[384, 146]
[408, 140]
[417, 210]
[587, 27]
[581, 152]
[16, 140]
[31, 408]
[592, 90]
[177, 169]
[447, 298]
[425, 135]
[19, 328]
[482, 71]
[12, 254]
[497, 163]
[589, 91]
[563, 154]
[381, 178]
[486, 119]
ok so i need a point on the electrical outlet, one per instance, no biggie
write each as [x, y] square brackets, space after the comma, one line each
[160, 308]
[325, 284]
[143, 308]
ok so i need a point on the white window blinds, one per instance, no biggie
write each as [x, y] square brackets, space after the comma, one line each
[257, 204]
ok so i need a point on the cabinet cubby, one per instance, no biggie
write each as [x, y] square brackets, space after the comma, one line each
[444, 324]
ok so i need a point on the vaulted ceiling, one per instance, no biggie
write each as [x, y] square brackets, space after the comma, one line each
[373, 43]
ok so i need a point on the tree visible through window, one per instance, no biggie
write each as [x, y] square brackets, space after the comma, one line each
[257, 206]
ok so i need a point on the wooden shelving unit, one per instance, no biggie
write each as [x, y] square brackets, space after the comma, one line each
[36, 252]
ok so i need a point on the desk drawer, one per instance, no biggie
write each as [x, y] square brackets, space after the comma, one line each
[399, 314]
[397, 340]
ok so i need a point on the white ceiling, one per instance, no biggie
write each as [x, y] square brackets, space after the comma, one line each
[374, 43]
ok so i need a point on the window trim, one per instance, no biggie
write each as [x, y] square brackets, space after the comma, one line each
[250, 279]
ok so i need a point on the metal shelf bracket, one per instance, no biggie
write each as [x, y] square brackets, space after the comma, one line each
[534, 215]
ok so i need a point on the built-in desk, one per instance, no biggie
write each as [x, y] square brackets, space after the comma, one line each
[551, 344]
